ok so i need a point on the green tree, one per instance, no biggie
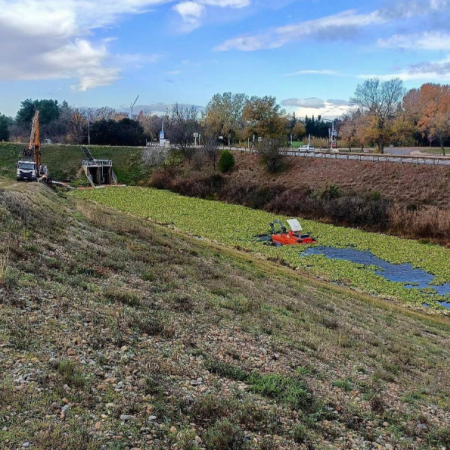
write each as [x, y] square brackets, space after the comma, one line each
[265, 118]
[226, 162]
[4, 127]
[49, 111]
[299, 130]
[316, 127]
[110, 132]
[223, 114]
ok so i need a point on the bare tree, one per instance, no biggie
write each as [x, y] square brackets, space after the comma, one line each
[151, 123]
[78, 125]
[155, 157]
[182, 124]
[104, 113]
[211, 147]
[380, 100]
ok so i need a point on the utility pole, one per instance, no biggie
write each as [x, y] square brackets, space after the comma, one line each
[332, 134]
[88, 113]
[132, 106]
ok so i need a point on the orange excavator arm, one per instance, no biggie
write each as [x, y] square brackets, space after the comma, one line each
[35, 141]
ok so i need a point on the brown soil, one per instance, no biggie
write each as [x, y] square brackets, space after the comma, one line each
[404, 183]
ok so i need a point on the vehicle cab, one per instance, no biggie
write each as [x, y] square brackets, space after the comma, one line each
[26, 170]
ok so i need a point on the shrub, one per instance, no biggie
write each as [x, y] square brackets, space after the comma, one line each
[345, 384]
[376, 404]
[269, 154]
[331, 192]
[174, 158]
[224, 435]
[300, 433]
[226, 162]
[224, 369]
[125, 297]
[291, 391]
[161, 179]
[151, 323]
[70, 373]
[258, 198]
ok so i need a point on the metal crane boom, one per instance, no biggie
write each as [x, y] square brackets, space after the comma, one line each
[30, 167]
[35, 140]
[33, 151]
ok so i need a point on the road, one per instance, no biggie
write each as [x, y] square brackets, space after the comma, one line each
[401, 155]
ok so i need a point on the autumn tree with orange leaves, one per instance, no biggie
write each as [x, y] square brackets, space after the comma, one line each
[432, 107]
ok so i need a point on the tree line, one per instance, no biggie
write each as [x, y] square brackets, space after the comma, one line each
[383, 113]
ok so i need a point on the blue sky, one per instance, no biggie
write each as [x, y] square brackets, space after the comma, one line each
[310, 54]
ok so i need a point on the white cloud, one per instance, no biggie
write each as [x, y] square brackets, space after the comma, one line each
[193, 10]
[51, 39]
[226, 3]
[316, 106]
[411, 8]
[313, 72]
[427, 71]
[432, 40]
[174, 72]
[346, 25]
[312, 102]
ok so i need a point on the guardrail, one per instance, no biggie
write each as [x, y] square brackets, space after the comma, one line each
[97, 162]
[372, 157]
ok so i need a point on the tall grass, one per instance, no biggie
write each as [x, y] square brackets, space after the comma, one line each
[4, 258]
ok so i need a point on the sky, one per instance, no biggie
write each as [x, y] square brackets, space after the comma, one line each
[309, 54]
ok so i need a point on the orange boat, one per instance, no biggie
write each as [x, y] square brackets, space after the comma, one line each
[292, 237]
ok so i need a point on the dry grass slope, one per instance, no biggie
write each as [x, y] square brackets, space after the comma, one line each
[116, 333]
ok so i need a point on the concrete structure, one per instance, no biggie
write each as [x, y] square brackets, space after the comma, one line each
[98, 171]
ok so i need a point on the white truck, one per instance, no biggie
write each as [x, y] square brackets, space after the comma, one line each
[26, 170]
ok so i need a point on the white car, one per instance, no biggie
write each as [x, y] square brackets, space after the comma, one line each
[307, 148]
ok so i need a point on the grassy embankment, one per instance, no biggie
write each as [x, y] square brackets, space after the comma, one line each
[64, 161]
[236, 226]
[122, 333]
